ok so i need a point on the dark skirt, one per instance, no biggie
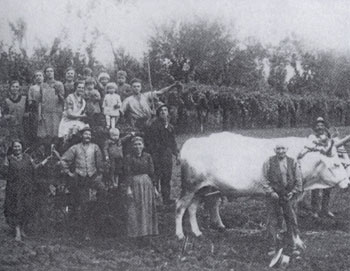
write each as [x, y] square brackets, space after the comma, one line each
[142, 213]
[18, 206]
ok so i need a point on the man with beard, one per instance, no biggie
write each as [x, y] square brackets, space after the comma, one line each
[86, 159]
[162, 145]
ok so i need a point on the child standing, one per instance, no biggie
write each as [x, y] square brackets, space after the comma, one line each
[124, 89]
[93, 99]
[111, 105]
[102, 81]
[113, 152]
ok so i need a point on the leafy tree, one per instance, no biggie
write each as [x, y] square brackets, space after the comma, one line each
[197, 51]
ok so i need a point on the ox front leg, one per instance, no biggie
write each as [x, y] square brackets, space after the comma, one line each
[214, 211]
[181, 206]
[192, 211]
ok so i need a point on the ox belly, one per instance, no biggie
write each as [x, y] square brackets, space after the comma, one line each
[233, 163]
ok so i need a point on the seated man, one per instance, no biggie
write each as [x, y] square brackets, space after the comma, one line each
[282, 182]
[86, 159]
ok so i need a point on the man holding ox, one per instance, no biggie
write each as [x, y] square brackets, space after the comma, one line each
[282, 182]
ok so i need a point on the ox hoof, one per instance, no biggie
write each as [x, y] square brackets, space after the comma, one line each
[219, 228]
[180, 236]
[198, 234]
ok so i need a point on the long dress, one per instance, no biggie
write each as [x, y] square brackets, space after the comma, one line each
[16, 108]
[19, 190]
[67, 125]
[51, 108]
[142, 213]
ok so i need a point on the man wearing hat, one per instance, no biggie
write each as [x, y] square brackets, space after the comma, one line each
[161, 144]
[86, 159]
[124, 89]
[317, 138]
[282, 182]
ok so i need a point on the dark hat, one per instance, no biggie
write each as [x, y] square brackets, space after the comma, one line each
[137, 138]
[160, 107]
[122, 73]
[320, 120]
[86, 128]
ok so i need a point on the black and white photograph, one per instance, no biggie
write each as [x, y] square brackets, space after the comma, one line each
[175, 135]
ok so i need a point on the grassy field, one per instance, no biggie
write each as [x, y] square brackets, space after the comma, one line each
[242, 247]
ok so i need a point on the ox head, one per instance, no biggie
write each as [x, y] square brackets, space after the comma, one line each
[324, 171]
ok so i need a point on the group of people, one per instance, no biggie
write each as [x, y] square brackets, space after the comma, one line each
[283, 182]
[63, 117]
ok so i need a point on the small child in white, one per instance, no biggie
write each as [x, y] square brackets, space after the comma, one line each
[111, 105]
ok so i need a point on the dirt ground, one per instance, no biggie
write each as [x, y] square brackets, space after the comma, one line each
[243, 246]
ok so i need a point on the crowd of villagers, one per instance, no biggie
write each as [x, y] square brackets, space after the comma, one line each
[89, 134]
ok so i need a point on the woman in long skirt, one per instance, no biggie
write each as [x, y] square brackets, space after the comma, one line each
[19, 188]
[142, 214]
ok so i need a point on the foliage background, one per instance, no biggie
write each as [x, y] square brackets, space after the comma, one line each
[256, 85]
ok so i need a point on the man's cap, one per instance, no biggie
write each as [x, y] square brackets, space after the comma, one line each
[86, 128]
[122, 73]
[136, 139]
[160, 107]
[103, 75]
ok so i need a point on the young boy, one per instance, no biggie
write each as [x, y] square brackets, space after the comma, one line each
[93, 99]
[102, 81]
[113, 152]
[69, 83]
[111, 105]
[87, 74]
[124, 89]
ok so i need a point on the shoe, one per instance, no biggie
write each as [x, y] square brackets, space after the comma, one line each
[328, 214]
[272, 251]
[217, 228]
[315, 215]
[296, 252]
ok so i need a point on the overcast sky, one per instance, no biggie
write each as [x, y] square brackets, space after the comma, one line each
[323, 24]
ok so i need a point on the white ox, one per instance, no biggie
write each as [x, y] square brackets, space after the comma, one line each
[233, 163]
